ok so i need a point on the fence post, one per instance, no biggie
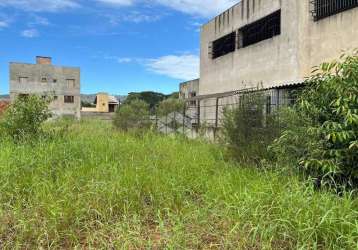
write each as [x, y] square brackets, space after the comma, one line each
[184, 110]
[175, 122]
[198, 115]
[166, 124]
[216, 117]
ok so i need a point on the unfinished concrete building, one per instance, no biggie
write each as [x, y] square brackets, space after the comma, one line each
[272, 45]
[45, 79]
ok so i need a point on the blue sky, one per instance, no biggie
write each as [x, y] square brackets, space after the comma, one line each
[121, 45]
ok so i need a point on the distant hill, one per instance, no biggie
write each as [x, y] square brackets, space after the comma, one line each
[4, 97]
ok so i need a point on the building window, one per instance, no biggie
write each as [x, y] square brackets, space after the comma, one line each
[69, 99]
[71, 83]
[54, 80]
[44, 79]
[224, 45]
[23, 80]
[191, 95]
[326, 8]
[24, 96]
[262, 29]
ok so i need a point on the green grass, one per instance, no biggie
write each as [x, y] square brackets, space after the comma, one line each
[99, 188]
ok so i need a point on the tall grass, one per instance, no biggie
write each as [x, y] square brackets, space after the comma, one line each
[99, 188]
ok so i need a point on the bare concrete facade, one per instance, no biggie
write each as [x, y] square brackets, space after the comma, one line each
[304, 41]
[189, 89]
[270, 45]
[45, 79]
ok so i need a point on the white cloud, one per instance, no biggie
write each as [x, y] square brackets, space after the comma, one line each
[117, 2]
[30, 33]
[183, 67]
[3, 24]
[38, 20]
[40, 5]
[204, 8]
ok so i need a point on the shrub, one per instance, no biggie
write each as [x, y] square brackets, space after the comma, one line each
[247, 130]
[322, 132]
[134, 115]
[25, 117]
[169, 106]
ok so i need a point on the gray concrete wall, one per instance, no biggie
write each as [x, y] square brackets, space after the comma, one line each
[55, 85]
[189, 87]
[283, 59]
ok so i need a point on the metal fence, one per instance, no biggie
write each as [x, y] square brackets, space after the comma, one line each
[204, 115]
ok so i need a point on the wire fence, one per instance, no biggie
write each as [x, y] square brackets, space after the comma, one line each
[204, 115]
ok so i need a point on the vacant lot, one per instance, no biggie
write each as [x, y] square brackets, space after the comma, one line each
[98, 188]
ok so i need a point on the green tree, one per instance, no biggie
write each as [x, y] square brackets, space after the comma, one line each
[151, 98]
[169, 106]
[133, 115]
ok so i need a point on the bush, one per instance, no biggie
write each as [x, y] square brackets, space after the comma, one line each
[322, 132]
[25, 117]
[247, 129]
[133, 116]
[169, 106]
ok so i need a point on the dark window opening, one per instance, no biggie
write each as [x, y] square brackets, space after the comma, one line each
[224, 45]
[326, 8]
[69, 99]
[23, 96]
[54, 80]
[43, 79]
[262, 29]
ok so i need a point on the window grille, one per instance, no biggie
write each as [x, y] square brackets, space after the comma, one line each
[260, 30]
[69, 99]
[326, 8]
[224, 45]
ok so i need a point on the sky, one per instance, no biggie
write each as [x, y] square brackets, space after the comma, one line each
[121, 46]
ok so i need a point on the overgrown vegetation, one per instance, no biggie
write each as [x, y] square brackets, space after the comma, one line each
[101, 188]
[170, 105]
[151, 98]
[24, 118]
[322, 128]
[248, 130]
[133, 116]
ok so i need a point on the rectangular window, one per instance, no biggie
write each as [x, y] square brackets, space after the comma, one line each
[224, 45]
[262, 29]
[23, 80]
[326, 8]
[69, 99]
[44, 79]
[71, 83]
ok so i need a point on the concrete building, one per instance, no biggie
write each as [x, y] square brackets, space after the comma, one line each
[45, 79]
[189, 89]
[271, 44]
[104, 104]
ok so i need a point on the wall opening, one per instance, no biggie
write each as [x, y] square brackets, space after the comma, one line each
[326, 8]
[224, 45]
[262, 29]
